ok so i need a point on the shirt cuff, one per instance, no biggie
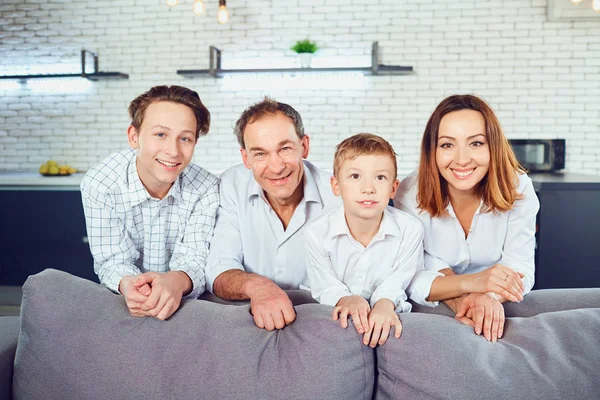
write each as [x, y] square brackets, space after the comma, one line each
[399, 300]
[213, 271]
[420, 287]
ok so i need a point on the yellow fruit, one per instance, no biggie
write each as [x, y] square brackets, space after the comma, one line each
[72, 170]
[51, 163]
[53, 170]
[43, 169]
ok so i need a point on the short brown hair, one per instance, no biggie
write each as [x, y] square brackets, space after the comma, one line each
[174, 94]
[267, 106]
[498, 189]
[362, 144]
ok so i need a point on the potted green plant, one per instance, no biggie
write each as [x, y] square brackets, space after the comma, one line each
[305, 49]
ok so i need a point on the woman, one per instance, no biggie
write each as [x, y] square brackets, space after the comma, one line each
[478, 209]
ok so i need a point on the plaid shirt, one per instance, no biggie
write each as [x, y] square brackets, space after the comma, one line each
[130, 232]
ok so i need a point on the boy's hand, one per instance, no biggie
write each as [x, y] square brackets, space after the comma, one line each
[135, 290]
[381, 319]
[355, 306]
[167, 289]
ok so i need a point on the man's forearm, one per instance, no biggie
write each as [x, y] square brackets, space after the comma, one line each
[236, 284]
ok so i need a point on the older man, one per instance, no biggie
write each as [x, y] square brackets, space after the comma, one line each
[257, 250]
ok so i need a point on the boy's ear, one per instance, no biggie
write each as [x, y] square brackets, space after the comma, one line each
[133, 137]
[335, 186]
[394, 188]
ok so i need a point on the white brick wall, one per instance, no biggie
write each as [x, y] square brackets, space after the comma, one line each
[541, 77]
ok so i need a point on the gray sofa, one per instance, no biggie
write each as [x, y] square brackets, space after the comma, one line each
[76, 340]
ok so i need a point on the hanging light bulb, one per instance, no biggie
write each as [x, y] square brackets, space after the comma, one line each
[198, 7]
[575, 1]
[223, 15]
[172, 3]
[596, 5]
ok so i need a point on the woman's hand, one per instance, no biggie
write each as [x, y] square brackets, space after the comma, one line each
[484, 312]
[498, 279]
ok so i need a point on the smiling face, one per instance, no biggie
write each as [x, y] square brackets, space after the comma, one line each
[165, 143]
[274, 153]
[462, 153]
[366, 184]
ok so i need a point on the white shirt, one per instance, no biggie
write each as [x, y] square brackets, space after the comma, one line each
[339, 266]
[250, 236]
[130, 232]
[506, 238]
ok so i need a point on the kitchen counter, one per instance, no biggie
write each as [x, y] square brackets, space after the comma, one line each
[564, 181]
[33, 180]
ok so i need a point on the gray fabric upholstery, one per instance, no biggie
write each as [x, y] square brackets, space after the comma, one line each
[78, 341]
[553, 355]
[535, 302]
[9, 333]
[297, 297]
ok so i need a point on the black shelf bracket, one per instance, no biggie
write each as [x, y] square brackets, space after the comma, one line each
[94, 76]
[216, 71]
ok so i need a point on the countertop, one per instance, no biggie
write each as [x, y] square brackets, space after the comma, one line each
[564, 181]
[34, 179]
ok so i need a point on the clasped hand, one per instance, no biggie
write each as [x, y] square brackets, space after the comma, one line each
[375, 324]
[154, 294]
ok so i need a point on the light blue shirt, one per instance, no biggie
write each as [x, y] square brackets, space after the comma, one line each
[249, 235]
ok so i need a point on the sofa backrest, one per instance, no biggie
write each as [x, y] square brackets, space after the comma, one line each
[78, 341]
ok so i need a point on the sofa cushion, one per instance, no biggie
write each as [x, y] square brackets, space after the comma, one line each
[9, 333]
[535, 302]
[78, 341]
[549, 356]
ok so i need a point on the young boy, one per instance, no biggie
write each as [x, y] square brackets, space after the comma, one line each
[149, 212]
[362, 256]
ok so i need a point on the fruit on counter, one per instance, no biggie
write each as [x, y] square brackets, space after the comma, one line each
[51, 167]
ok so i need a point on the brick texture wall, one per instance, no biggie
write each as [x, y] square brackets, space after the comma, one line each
[542, 78]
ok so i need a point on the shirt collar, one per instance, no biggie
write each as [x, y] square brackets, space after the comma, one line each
[339, 226]
[311, 190]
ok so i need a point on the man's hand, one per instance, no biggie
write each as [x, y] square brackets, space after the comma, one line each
[271, 307]
[484, 313]
[498, 279]
[167, 289]
[355, 306]
[381, 319]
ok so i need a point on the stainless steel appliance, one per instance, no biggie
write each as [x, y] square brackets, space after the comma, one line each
[540, 155]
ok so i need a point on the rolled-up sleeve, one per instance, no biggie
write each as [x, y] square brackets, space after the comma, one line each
[226, 250]
[190, 255]
[518, 251]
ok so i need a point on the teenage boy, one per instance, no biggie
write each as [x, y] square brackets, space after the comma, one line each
[149, 212]
[362, 256]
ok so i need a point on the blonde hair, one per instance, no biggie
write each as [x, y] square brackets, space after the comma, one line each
[359, 145]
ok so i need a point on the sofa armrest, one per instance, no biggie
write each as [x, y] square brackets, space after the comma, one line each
[9, 334]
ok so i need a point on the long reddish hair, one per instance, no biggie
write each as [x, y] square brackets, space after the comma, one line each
[498, 189]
